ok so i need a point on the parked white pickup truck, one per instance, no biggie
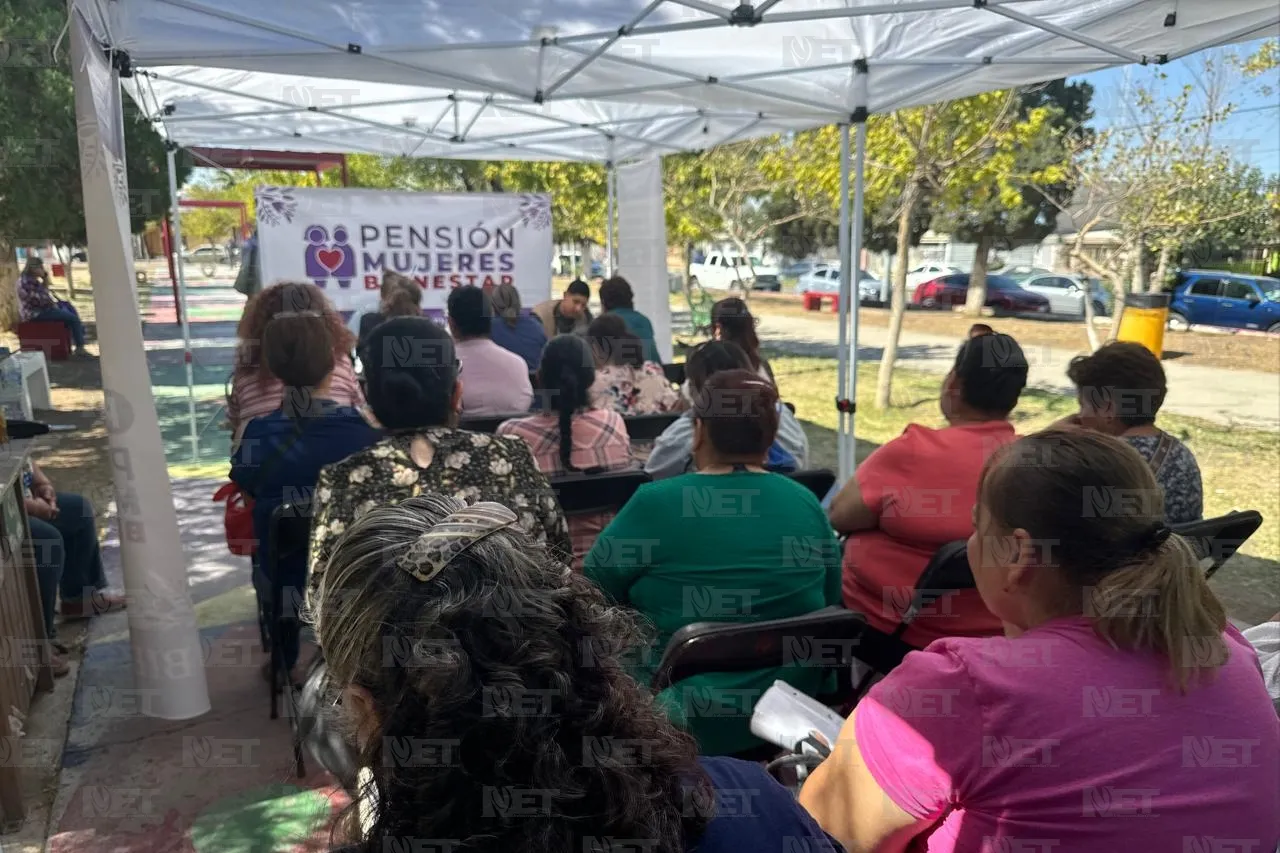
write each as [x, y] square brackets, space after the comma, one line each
[734, 272]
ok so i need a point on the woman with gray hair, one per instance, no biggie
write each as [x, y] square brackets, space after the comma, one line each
[483, 686]
[514, 329]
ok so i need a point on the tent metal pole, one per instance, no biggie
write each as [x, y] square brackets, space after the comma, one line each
[855, 244]
[842, 351]
[183, 317]
[611, 191]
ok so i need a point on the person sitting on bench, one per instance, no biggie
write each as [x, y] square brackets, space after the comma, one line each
[37, 304]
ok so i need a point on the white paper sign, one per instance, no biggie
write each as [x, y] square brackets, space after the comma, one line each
[343, 240]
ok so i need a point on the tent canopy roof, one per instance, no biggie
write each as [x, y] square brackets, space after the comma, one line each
[609, 79]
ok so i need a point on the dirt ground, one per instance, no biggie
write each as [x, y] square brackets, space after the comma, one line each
[1235, 351]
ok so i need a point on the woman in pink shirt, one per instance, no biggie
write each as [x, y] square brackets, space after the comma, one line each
[254, 391]
[1119, 711]
[916, 493]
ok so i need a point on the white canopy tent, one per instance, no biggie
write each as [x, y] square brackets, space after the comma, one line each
[614, 80]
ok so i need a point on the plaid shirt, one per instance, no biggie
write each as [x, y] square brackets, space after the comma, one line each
[34, 296]
[599, 441]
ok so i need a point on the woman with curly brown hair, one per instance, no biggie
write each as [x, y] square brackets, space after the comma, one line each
[483, 685]
[254, 390]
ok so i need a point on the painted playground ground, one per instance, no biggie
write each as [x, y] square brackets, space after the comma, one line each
[224, 782]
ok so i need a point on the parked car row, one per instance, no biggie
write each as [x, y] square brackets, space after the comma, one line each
[825, 278]
[721, 271]
[1003, 294]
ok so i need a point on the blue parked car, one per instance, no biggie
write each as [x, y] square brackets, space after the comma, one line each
[1216, 298]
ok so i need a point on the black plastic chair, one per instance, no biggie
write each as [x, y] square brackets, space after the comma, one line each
[288, 535]
[649, 427]
[674, 373]
[1217, 539]
[947, 572]
[584, 493]
[825, 639]
[817, 480]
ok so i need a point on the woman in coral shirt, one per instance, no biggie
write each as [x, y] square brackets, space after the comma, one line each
[917, 492]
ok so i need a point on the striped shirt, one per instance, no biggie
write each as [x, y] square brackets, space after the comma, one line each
[255, 393]
[599, 441]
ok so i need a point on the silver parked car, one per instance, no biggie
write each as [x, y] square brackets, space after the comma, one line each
[1066, 291]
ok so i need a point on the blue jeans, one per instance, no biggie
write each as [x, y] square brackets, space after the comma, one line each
[68, 318]
[67, 555]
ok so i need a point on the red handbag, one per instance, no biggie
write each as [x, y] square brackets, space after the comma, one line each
[237, 519]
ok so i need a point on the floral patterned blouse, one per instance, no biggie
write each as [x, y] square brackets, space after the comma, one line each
[471, 466]
[634, 391]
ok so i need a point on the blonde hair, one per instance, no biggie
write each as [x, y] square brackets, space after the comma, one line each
[1093, 504]
[401, 296]
[506, 303]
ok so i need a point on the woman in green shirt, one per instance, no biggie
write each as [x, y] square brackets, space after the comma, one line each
[729, 543]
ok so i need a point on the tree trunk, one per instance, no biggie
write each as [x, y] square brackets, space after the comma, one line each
[1162, 270]
[898, 297]
[1140, 272]
[976, 297]
[688, 266]
[66, 265]
[9, 272]
[1090, 332]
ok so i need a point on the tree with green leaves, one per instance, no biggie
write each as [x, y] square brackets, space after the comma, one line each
[41, 197]
[1016, 200]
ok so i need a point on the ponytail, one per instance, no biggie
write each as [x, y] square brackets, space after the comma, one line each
[567, 371]
[1163, 604]
[1142, 586]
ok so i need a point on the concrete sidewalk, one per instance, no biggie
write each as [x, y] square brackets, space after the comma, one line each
[1233, 397]
[221, 783]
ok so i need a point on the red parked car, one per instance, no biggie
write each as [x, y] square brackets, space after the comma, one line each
[1003, 294]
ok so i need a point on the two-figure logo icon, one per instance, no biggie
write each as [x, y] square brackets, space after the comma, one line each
[326, 260]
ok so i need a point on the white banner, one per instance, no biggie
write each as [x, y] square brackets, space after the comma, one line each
[343, 240]
[168, 659]
[642, 245]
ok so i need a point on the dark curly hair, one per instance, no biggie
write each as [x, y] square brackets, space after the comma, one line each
[734, 321]
[1125, 374]
[285, 298]
[498, 681]
[614, 343]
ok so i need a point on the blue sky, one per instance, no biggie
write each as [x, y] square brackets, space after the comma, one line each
[1252, 131]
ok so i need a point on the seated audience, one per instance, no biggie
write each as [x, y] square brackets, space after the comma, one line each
[497, 381]
[37, 304]
[1121, 388]
[572, 435]
[731, 321]
[720, 545]
[401, 297]
[281, 454]
[64, 533]
[673, 451]
[568, 315]
[616, 298]
[626, 382]
[254, 391]
[417, 401]
[1119, 711]
[917, 492]
[507, 668]
[516, 330]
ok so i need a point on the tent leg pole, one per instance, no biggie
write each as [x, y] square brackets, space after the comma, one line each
[855, 241]
[181, 303]
[609, 242]
[842, 350]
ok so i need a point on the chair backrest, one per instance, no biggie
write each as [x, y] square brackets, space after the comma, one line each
[649, 427]
[817, 480]
[288, 534]
[824, 639]
[1216, 539]
[487, 423]
[948, 571]
[674, 373]
[580, 494]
